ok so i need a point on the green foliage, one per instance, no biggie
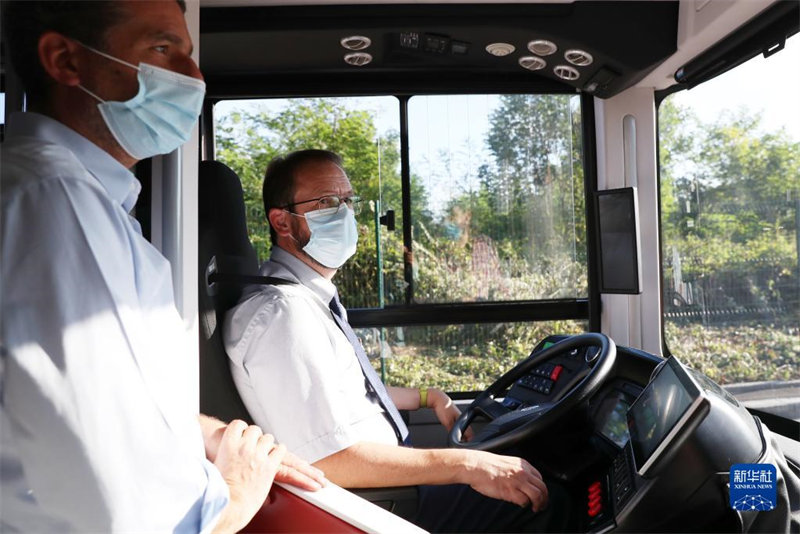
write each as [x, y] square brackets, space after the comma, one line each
[459, 357]
[247, 142]
[531, 194]
[450, 271]
[739, 353]
[731, 228]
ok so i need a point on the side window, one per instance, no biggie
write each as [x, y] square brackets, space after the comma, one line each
[730, 216]
[364, 132]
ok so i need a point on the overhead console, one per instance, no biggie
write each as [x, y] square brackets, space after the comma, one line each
[600, 48]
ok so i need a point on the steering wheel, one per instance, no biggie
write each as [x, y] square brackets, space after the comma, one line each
[507, 427]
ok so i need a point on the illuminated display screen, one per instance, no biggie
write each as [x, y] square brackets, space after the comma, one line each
[656, 412]
[615, 425]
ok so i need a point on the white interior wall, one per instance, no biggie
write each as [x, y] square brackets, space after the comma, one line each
[701, 23]
[174, 217]
[633, 320]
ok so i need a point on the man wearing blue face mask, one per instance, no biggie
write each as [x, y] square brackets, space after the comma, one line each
[304, 376]
[100, 430]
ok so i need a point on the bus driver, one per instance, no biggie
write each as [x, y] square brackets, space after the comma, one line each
[290, 345]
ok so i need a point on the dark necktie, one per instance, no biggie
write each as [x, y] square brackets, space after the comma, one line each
[374, 384]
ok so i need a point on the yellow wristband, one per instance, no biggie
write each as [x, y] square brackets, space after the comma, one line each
[423, 397]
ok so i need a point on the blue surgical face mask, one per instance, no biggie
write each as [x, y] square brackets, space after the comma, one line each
[160, 118]
[334, 235]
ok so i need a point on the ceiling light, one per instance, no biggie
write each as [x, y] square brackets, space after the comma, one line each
[532, 63]
[500, 49]
[578, 57]
[358, 59]
[565, 72]
[355, 42]
[542, 47]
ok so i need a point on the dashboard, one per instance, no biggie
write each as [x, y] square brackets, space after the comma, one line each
[658, 437]
[549, 381]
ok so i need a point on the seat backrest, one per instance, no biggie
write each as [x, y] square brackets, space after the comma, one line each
[225, 248]
[223, 243]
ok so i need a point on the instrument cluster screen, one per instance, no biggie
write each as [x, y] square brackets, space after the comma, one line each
[613, 417]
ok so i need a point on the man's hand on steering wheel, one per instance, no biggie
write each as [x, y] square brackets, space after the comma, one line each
[508, 427]
[446, 410]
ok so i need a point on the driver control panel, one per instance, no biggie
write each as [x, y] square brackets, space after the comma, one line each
[606, 495]
[549, 379]
[621, 479]
[543, 378]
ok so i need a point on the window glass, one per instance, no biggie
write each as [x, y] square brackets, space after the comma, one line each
[730, 203]
[364, 132]
[497, 208]
[498, 186]
[455, 357]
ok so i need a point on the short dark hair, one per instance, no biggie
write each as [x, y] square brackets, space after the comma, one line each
[278, 189]
[24, 22]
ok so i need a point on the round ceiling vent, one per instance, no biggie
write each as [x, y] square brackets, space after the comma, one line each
[578, 57]
[542, 47]
[500, 49]
[532, 63]
[356, 42]
[565, 72]
[359, 59]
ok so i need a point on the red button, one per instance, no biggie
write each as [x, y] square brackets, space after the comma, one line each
[596, 500]
[595, 487]
[594, 510]
[556, 372]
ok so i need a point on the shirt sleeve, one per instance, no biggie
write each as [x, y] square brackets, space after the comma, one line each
[91, 352]
[292, 377]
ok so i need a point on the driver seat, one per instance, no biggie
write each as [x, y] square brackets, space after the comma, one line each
[227, 262]
[223, 245]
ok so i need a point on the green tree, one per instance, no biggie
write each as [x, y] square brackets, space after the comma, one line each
[533, 188]
[678, 148]
[729, 211]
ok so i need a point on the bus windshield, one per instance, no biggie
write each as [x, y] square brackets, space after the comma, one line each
[494, 214]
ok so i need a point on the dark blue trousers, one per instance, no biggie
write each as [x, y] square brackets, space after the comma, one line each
[459, 508]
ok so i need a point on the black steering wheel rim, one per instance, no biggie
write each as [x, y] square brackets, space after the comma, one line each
[485, 403]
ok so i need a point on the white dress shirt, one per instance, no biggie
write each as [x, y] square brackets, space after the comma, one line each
[294, 368]
[100, 428]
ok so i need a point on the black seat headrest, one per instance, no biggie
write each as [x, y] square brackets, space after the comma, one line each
[221, 206]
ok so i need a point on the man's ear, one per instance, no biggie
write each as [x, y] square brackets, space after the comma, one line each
[279, 219]
[58, 56]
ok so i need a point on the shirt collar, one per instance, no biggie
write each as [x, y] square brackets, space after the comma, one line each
[301, 273]
[120, 183]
